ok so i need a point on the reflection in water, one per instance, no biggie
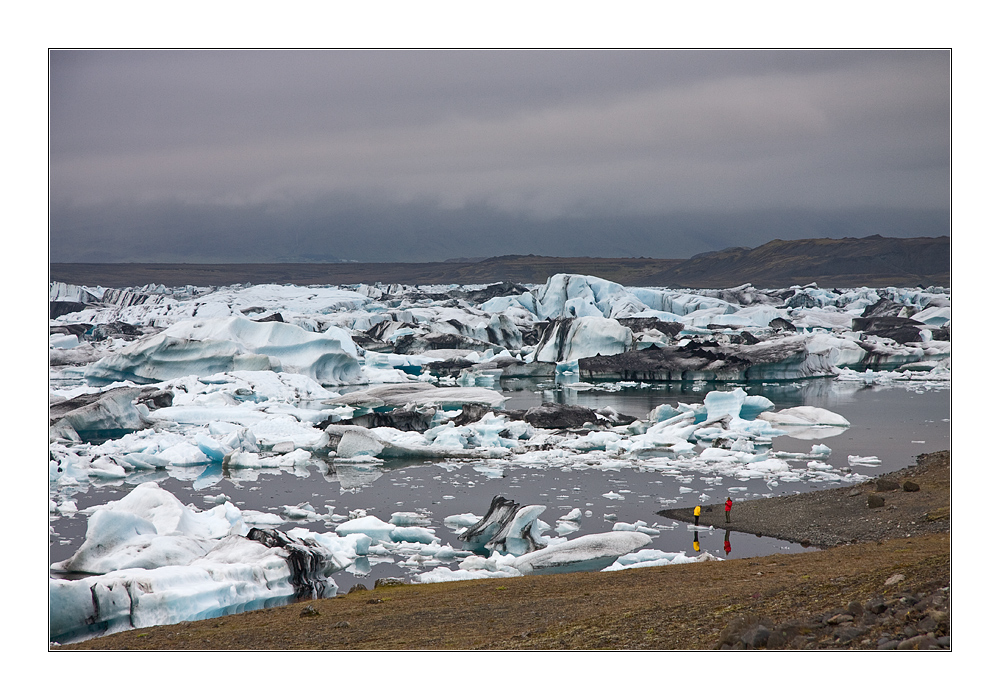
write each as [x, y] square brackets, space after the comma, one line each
[812, 432]
[895, 421]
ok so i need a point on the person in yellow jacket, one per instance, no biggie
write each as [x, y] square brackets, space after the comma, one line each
[697, 514]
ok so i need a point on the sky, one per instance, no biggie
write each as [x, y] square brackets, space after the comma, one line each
[379, 156]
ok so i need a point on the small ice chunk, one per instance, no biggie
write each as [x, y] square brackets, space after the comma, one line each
[820, 451]
[421, 535]
[574, 515]
[406, 519]
[637, 526]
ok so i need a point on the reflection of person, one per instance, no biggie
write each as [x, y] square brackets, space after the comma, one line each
[728, 547]
[729, 507]
[697, 546]
[697, 514]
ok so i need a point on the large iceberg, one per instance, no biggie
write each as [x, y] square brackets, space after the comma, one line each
[236, 575]
[204, 347]
[571, 339]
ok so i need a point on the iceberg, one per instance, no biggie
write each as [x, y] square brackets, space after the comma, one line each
[204, 347]
[571, 339]
[107, 412]
[236, 575]
[585, 553]
[654, 557]
[159, 562]
[149, 528]
[807, 422]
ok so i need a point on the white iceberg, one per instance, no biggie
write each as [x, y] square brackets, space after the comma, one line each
[586, 553]
[209, 346]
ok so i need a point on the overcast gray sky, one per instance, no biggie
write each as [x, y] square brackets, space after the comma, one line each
[245, 156]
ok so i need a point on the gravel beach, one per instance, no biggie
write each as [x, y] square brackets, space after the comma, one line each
[845, 515]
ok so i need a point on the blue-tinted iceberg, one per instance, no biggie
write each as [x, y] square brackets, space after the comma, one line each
[203, 347]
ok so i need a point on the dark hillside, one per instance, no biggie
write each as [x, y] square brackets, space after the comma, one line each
[846, 262]
[872, 261]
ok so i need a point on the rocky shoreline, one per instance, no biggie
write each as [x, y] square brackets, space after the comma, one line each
[905, 503]
[903, 619]
[913, 501]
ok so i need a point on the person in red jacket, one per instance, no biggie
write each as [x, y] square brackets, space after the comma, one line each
[729, 507]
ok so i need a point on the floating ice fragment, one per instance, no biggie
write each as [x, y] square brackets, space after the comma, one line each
[586, 553]
[404, 519]
[637, 526]
[206, 346]
[820, 451]
[574, 515]
[463, 520]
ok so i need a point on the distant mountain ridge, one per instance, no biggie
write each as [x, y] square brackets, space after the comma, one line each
[874, 261]
[829, 262]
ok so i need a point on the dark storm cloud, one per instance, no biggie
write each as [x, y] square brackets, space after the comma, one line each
[480, 150]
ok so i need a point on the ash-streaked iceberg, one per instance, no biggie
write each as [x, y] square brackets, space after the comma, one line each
[236, 575]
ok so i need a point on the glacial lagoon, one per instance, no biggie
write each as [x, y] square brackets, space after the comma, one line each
[894, 423]
[588, 480]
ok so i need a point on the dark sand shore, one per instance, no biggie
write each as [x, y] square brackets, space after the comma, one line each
[834, 517]
[888, 587]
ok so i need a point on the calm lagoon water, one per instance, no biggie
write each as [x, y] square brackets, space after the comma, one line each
[892, 422]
